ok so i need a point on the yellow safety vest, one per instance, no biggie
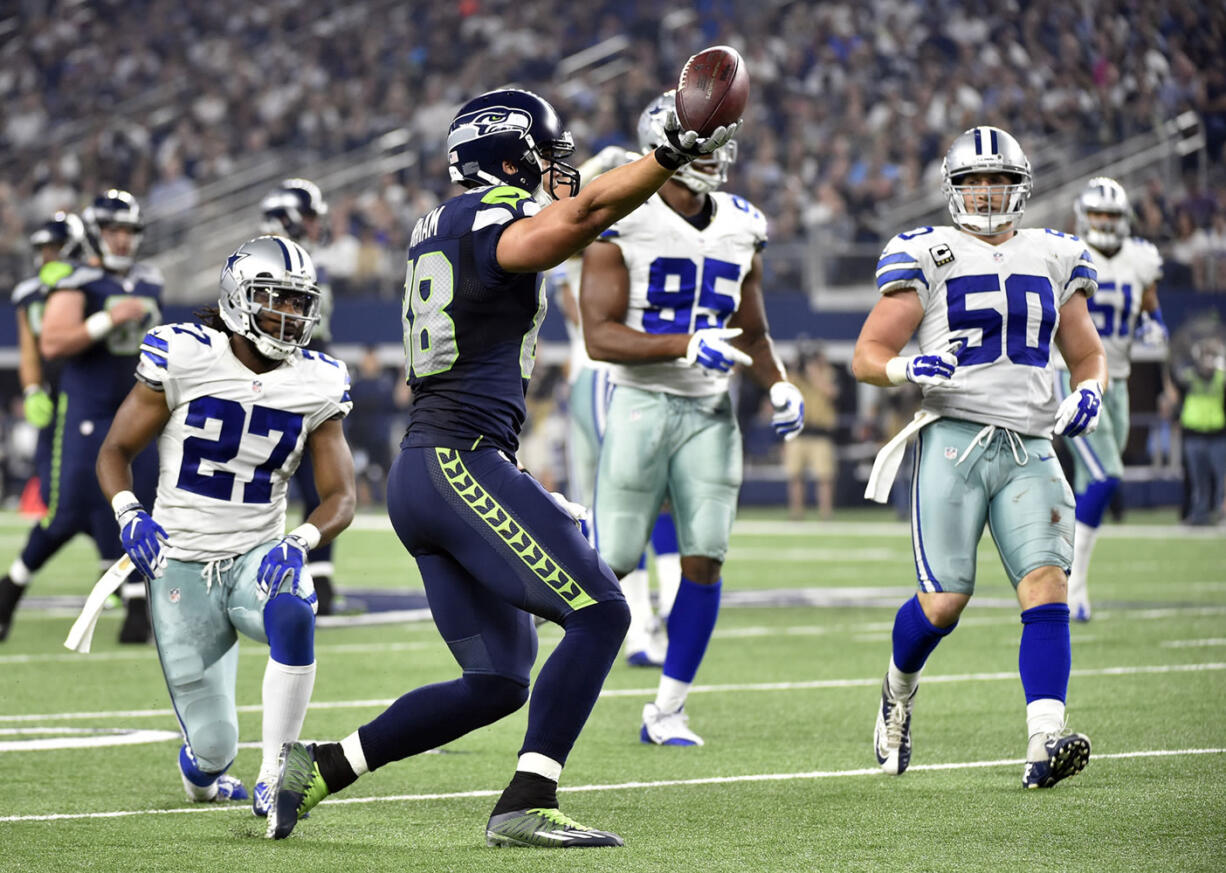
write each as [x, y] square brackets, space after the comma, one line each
[1202, 406]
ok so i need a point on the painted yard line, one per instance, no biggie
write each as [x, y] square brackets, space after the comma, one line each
[640, 692]
[903, 529]
[1192, 644]
[616, 786]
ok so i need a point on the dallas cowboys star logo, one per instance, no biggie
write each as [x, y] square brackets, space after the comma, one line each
[234, 259]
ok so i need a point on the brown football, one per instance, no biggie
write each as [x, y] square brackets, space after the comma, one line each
[713, 89]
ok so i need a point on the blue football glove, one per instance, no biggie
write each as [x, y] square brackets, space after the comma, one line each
[1078, 413]
[709, 348]
[789, 417]
[281, 566]
[142, 538]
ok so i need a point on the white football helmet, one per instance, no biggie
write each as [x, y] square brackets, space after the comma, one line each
[985, 150]
[270, 278]
[1103, 195]
[701, 176]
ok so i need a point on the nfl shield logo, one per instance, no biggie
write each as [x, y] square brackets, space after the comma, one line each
[998, 256]
[951, 452]
[257, 386]
[174, 595]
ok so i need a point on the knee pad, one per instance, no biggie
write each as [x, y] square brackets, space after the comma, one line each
[498, 695]
[289, 623]
[213, 745]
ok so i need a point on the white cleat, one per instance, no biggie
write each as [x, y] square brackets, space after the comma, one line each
[667, 728]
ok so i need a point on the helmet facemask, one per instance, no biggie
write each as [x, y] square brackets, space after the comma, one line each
[274, 306]
[1110, 226]
[992, 209]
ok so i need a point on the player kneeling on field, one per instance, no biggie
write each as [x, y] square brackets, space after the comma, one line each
[234, 402]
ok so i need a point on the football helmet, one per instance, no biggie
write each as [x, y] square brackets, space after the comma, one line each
[513, 126]
[64, 229]
[114, 208]
[986, 150]
[1103, 195]
[258, 281]
[701, 176]
[286, 208]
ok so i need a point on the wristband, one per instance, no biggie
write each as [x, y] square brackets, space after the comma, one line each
[896, 370]
[669, 158]
[30, 390]
[99, 325]
[124, 502]
[308, 533]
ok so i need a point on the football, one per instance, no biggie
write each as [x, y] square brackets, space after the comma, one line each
[713, 89]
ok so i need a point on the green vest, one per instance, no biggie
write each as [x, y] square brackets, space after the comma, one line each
[1202, 406]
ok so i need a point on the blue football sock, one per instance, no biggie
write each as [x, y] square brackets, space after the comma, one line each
[1045, 656]
[915, 636]
[1092, 503]
[196, 776]
[690, 625]
[289, 624]
[664, 535]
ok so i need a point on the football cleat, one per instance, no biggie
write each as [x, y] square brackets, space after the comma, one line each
[545, 829]
[261, 795]
[892, 735]
[667, 728]
[230, 788]
[647, 648]
[223, 788]
[1067, 755]
[1080, 609]
[135, 628]
[299, 788]
[10, 593]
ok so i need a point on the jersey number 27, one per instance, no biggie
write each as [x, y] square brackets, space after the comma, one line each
[264, 421]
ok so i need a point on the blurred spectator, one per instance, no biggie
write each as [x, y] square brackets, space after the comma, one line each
[814, 452]
[1203, 421]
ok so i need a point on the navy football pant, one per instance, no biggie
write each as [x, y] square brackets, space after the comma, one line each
[494, 548]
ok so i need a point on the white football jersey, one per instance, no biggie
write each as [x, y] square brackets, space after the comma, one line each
[683, 279]
[1116, 305]
[234, 437]
[1000, 307]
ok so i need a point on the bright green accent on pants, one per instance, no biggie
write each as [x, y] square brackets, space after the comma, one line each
[57, 452]
[534, 557]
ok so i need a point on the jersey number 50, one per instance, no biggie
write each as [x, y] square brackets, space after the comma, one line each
[972, 306]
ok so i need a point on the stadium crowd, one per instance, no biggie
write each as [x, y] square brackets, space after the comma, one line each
[853, 104]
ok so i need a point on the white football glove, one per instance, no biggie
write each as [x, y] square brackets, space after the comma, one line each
[709, 348]
[577, 510]
[1079, 412]
[932, 369]
[789, 418]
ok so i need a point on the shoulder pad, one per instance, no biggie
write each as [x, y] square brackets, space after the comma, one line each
[331, 376]
[147, 272]
[80, 276]
[902, 262]
[26, 288]
[169, 351]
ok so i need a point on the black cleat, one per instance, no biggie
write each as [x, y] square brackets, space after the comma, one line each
[545, 829]
[136, 623]
[10, 593]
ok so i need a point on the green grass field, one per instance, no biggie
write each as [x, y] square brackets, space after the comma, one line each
[786, 700]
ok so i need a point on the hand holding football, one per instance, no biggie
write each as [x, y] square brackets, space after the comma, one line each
[713, 90]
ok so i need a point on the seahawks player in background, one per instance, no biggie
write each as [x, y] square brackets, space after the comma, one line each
[665, 293]
[57, 243]
[1125, 306]
[93, 322]
[234, 404]
[984, 300]
[493, 547]
[296, 209]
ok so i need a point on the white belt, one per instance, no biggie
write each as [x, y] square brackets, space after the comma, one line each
[889, 458]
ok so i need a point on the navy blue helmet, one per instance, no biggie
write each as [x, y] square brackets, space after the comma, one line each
[286, 209]
[516, 127]
[65, 230]
[115, 208]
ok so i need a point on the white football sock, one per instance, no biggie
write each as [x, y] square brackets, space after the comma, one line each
[634, 587]
[902, 684]
[19, 573]
[354, 754]
[668, 580]
[1043, 716]
[671, 694]
[1083, 545]
[287, 691]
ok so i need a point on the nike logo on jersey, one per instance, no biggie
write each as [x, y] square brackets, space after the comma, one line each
[1044, 457]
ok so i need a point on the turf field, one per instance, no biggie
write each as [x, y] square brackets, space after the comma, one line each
[786, 782]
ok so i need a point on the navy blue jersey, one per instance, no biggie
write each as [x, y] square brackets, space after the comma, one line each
[100, 377]
[470, 327]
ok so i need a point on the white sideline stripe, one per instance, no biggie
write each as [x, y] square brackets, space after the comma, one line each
[640, 692]
[617, 786]
[1191, 644]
